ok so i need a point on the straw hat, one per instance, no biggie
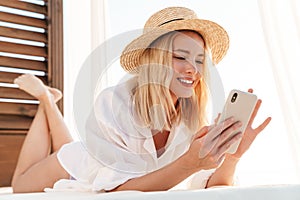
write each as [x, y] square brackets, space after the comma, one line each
[172, 19]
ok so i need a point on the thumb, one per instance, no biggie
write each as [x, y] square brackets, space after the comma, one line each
[217, 118]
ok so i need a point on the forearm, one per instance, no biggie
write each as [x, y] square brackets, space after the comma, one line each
[224, 175]
[160, 180]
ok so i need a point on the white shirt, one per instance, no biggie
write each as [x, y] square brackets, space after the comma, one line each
[117, 148]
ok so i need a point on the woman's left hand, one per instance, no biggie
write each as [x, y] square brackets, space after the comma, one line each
[250, 133]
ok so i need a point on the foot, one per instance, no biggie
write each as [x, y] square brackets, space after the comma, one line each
[34, 86]
[57, 95]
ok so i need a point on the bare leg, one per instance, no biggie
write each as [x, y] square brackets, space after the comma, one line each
[36, 169]
[47, 97]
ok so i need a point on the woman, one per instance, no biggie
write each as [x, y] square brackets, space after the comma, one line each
[148, 133]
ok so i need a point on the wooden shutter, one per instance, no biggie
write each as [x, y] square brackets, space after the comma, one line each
[31, 39]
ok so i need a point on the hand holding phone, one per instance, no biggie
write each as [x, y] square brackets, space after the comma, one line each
[239, 105]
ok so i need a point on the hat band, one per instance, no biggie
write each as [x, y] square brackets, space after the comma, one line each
[171, 21]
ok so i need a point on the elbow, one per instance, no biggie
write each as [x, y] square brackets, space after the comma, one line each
[15, 187]
[18, 186]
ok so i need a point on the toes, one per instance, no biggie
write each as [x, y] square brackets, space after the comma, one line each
[18, 80]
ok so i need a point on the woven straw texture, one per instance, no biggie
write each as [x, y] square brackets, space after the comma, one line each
[172, 19]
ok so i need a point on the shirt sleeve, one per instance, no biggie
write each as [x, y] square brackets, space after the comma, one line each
[199, 180]
[104, 159]
[196, 181]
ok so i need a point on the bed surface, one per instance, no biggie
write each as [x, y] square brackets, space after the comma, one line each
[274, 192]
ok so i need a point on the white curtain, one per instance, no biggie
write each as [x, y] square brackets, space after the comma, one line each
[99, 34]
[281, 25]
[84, 30]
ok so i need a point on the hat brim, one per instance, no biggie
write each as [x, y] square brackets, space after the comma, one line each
[215, 37]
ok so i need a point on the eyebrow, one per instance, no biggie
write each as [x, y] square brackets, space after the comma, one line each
[186, 51]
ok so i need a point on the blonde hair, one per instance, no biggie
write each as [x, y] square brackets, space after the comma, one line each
[152, 99]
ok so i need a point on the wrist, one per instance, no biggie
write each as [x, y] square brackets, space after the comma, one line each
[231, 158]
[188, 164]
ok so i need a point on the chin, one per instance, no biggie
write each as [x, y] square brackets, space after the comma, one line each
[186, 95]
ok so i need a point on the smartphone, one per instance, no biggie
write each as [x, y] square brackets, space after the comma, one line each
[239, 105]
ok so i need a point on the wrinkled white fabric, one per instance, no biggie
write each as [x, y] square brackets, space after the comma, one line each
[116, 147]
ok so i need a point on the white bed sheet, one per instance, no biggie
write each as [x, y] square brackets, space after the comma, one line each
[273, 192]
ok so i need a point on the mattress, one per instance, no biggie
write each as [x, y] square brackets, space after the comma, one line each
[274, 192]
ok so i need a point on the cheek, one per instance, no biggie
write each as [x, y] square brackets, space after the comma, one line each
[177, 66]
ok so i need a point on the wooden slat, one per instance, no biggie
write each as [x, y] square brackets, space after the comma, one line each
[23, 20]
[24, 6]
[22, 63]
[14, 93]
[23, 109]
[22, 34]
[15, 122]
[10, 146]
[8, 77]
[13, 132]
[9, 47]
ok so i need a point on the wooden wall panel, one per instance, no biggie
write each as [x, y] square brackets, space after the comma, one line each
[10, 146]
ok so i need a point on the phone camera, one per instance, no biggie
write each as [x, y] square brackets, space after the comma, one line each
[233, 98]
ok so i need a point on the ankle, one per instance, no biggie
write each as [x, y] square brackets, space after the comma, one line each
[46, 98]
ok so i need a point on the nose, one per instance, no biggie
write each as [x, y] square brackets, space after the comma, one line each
[191, 68]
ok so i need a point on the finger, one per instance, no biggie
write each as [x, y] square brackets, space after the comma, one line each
[226, 146]
[201, 133]
[257, 106]
[220, 160]
[206, 149]
[216, 130]
[228, 134]
[217, 118]
[263, 125]
[250, 90]
[207, 144]
[211, 141]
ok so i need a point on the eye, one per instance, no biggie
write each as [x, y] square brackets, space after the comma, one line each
[199, 62]
[179, 57]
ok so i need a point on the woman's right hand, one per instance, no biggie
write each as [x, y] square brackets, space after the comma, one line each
[210, 144]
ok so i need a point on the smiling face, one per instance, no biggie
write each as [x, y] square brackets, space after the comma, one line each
[187, 62]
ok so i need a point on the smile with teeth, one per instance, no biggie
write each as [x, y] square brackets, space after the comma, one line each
[186, 82]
